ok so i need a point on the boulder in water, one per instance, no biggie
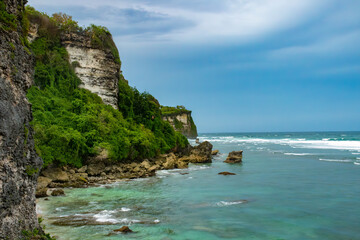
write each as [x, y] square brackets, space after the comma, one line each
[226, 173]
[42, 192]
[123, 229]
[215, 152]
[234, 157]
[199, 154]
[57, 192]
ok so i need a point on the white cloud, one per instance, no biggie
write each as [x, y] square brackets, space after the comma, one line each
[331, 45]
[211, 21]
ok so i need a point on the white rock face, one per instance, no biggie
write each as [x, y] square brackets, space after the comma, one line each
[184, 120]
[98, 72]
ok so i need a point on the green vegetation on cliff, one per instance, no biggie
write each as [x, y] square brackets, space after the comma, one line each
[60, 22]
[165, 110]
[101, 38]
[72, 124]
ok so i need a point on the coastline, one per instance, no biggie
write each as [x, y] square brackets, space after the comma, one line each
[100, 170]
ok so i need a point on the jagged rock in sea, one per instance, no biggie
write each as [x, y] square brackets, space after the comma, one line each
[19, 163]
[234, 157]
[199, 154]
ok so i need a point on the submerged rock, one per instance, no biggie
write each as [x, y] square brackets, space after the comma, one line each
[58, 192]
[226, 173]
[215, 152]
[234, 157]
[123, 229]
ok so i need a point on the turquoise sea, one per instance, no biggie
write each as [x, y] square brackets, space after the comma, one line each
[290, 186]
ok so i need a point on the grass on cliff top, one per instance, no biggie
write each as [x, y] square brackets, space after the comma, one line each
[100, 36]
[165, 110]
[72, 124]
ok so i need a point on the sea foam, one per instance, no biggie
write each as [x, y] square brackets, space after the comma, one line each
[125, 209]
[105, 216]
[335, 160]
[225, 203]
[292, 142]
[298, 154]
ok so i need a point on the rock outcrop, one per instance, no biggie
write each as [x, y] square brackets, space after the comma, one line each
[183, 123]
[234, 157]
[103, 170]
[19, 163]
[97, 68]
[199, 154]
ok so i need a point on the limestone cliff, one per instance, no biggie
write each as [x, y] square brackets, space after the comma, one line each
[19, 163]
[180, 119]
[96, 67]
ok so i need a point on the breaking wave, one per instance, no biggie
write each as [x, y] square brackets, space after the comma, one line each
[335, 160]
[292, 142]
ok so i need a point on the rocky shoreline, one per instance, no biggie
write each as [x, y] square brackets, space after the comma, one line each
[101, 170]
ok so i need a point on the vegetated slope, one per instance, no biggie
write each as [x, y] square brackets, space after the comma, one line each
[71, 123]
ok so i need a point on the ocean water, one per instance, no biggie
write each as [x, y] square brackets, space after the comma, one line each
[290, 186]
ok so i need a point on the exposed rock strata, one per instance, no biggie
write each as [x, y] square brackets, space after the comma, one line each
[19, 163]
[183, 123]
[97, 68]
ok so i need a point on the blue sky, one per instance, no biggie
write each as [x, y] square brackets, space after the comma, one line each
[239, 65]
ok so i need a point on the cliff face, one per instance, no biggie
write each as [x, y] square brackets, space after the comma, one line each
[183, 123]
[97, 68]
[19, 163]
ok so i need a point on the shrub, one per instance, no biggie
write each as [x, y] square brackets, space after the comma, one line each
[165, 110]
[101, 38]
